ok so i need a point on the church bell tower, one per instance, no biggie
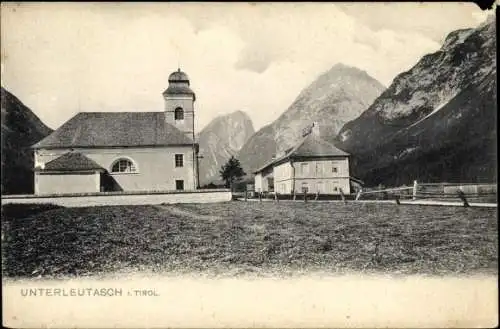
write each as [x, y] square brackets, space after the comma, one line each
[179, 103]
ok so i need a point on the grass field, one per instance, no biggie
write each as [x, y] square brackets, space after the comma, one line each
[248, 238]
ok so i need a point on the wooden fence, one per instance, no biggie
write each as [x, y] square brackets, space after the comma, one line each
[464, 193]
[450, 194]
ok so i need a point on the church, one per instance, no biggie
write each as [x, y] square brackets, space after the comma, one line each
[123, 151]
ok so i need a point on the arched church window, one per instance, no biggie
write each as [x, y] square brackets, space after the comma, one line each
[179, 113]
[123, 166]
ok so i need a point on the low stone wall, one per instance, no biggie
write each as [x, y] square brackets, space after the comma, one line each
[123, 198]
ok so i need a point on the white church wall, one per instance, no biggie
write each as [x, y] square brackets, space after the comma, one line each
[187, 105]
[66, 183]
[156, 168]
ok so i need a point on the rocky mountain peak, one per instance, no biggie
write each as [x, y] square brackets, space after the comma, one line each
[337, 96]
[449, 91]
[222, 137]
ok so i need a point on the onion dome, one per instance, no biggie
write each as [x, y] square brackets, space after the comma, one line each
[178, 84]
[178, 76]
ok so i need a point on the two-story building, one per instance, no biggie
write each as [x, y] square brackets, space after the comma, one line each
[313, 165]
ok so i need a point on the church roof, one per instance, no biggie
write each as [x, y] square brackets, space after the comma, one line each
[174, 89]
[71, 161]
[115, 129]
[178, 76]
[311, 146]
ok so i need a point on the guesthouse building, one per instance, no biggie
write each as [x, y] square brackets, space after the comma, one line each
[313, 166]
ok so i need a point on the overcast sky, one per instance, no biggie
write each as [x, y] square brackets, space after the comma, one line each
[63, 58]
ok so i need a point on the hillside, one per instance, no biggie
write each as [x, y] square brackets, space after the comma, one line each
[21, 128]
[334, 98]
[437, 121]
[222, 137]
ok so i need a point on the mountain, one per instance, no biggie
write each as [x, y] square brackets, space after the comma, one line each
[334, 98]
[435, 122]
[21, 128]
[222, 137]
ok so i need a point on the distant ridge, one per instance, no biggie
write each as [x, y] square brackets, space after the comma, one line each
[21, 128]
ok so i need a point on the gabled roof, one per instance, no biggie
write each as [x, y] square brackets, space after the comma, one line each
[71, 161]
[315, 146]
[309, 146]
[107, 129]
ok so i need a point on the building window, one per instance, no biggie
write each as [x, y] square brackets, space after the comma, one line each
[304, 168]
[179, 114]
[179, 160]
[123, 166]
[335, 189]
[334, 169]
[319, 168]
[179, 185]
[305, 188]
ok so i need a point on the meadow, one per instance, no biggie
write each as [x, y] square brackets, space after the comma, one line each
[241, 238]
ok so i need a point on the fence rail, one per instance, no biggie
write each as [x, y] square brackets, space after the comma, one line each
[445, 192]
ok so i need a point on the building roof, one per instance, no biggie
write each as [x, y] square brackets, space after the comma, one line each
[311, 146]
[178, 76]
[357, 180]
[181, 89]
[178, 84]
[71, 161]
[113, 129]
[315, 146]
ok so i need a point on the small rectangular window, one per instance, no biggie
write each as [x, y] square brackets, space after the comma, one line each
[334, 169]
[304, 168]
[179, 185]
[319, 187]
[179, 160]
[305, 188]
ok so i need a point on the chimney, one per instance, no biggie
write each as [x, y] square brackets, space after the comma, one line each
[315, 129]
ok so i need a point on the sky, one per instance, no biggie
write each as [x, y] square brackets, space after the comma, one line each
[63, 58]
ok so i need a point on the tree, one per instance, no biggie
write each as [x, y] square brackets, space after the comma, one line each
[231, 171]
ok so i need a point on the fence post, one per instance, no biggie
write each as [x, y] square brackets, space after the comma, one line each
[358, 195]
[276, 196]
[317, 195]
[397, 200]
[342, 194]
[415, 187]
[461, 194]
[305, 196]
[246, 192]
[293, 195]
[260, 196]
